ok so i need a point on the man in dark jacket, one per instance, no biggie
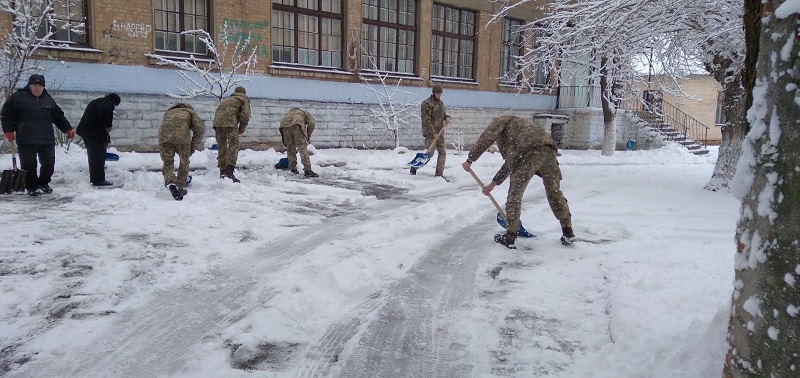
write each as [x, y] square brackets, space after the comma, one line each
[527, 150]
[28, 116]
[95, 128]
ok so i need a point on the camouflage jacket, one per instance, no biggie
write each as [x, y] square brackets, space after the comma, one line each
[300, 117]
[433, 114]
[182, 125]
[515, 137]
[233, 111]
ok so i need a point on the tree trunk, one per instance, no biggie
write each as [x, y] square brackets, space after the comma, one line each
[763, 332]
[739, 97]
[609, 127]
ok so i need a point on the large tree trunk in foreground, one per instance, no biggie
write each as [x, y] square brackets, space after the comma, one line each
[738, 96]
[763, 331]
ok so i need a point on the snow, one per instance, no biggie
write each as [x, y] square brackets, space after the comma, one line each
[367, 271]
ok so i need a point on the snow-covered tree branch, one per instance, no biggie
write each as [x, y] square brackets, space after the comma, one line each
[395, 107]
[34, 24]
[217, 74]
[604, 42]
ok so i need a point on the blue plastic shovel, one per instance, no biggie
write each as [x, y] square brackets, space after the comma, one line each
[501, 215]
[423, 158]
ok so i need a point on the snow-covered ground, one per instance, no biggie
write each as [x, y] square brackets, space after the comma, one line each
[366, 271]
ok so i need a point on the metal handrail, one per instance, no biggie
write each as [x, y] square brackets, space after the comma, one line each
[668, 114]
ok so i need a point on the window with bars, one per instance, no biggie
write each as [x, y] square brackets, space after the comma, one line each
[453, 42]
[172, 17]
[720, 118]
[512, 48]
[307, 32]
[388, 35]
[66, 12]
[540, 77]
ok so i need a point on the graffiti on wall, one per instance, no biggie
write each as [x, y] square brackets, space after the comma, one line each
[134, 30]
[241, 29]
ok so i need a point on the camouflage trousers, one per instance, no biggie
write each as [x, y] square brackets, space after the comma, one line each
[441, 149]
[544, 161]
[228, 146]
[296, 141]
[168, 151]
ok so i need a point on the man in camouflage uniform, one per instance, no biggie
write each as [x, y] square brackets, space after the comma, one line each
[434, 119]
[527, 150]
[296, 128]
[230, 121]
[181, 132]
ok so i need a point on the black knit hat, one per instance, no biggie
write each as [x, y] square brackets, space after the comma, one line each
[114, 98]
[36, 79]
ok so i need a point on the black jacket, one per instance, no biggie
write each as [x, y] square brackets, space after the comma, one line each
[96, 122]
[32, 117]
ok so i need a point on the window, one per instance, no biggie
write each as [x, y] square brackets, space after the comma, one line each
[511, 49]
[307, 32]
[453, 42]
[66, 12]
[540, 77]
[720, 118]
[175, 16]
[388, 34]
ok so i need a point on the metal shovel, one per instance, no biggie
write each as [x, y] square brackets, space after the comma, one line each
[12, 180]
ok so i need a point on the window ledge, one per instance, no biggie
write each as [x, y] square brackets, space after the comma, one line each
[389, 75]
[318, 69]
[453, 80]
[180, 57]
[69, 47]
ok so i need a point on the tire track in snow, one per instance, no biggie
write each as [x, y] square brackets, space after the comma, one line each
[410, 336]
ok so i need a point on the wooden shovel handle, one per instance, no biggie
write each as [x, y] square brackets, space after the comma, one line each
[13, 155]
[496, 205]
[432, 147]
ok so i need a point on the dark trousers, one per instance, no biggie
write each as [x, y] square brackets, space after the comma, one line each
[96, 152]
[28, 154]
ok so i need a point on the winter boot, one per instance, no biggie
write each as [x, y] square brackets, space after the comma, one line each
[176, 193]
[413, 171]
[230, 174]
[506, 240]
[223, 173]
[295, 171]
[310, 173]
[569, 236]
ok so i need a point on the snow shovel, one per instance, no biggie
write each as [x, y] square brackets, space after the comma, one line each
[501, 215]
[423, 158]
[112, 156]
[12, 180]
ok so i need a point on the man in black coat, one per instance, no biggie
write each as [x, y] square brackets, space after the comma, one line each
[28, 116]
[95, 128]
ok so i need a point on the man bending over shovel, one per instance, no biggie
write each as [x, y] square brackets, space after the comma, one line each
[527, 150]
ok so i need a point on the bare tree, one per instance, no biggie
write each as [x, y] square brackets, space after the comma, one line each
[764, 331]
[395, 107]
[34, 23]
[219, 74]
[609, 38]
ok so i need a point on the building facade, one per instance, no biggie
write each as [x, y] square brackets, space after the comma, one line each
[311, 53]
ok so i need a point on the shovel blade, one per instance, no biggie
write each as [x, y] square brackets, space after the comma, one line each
[111, 156]
[420, 160]
[521, 232]
[12, 181]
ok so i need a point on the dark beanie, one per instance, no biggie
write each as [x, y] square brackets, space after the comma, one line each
[240, 89]
[36, 79]
[114, 98]
[437, 88]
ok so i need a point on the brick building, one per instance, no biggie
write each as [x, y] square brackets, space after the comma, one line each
[310, 54]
